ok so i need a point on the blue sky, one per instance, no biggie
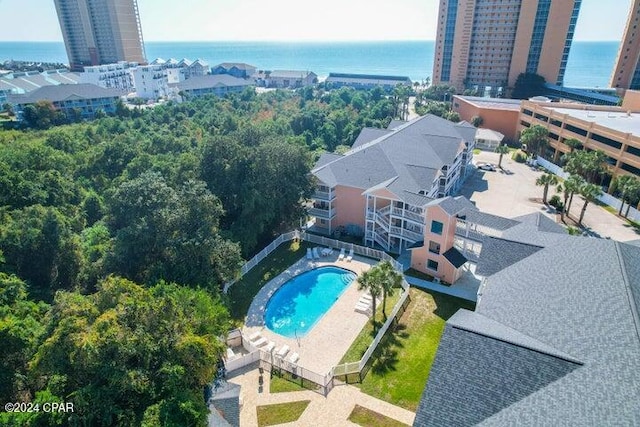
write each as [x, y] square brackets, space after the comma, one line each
[35, 20]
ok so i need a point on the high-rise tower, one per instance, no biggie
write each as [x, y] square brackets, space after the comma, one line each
[626, 73]
[488, 43]
[100, 31]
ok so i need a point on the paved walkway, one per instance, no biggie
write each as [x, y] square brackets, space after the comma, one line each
[463, 292]
[330, 411]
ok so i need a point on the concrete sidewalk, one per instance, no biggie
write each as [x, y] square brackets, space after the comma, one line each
[463, 292]
[330, 411]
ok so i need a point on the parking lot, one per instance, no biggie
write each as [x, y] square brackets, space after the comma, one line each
[512, 192]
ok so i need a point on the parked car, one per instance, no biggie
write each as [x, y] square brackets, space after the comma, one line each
[487, 167]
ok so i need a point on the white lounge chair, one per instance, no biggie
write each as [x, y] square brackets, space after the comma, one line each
[254, 336]
[365, 300]
[366, 297]
[283, 351]
[294, 357]
[316, 254]
[341, 256]
[309, 254]
[262, 341]
[363, 308]
[230, 354]
[350, 257]
[270, 347]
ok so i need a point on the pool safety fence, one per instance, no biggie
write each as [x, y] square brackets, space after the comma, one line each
[349, 372]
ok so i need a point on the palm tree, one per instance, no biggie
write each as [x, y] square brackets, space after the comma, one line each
[502, 150]
[371, 280]
[573, 144]
[391, 280]
[575, 182]
[568, 188]
[590, 193]
[629, 187]
[535, 138]
[546, 180]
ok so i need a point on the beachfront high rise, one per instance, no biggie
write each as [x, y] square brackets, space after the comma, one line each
[99, 32]
[488, 43]
[626, 73]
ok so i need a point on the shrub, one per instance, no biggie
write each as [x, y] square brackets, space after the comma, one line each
[519, 157]
[556, 202]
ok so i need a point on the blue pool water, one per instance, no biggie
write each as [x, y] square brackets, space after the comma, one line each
[298, 305]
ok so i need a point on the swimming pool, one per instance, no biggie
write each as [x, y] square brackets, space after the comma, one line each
[299, 303]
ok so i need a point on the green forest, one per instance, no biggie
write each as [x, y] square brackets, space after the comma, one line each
[117, 235]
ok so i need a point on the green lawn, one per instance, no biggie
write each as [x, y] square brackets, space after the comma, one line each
[402, 362]
[368, 418]
[269, 415]
[242, 292]
[366, 335]
[287, 382]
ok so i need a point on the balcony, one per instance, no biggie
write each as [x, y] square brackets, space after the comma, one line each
[411, 216]
[322, 213]
[406, 234]
[324, 195]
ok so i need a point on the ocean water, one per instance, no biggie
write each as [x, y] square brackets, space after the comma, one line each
[590, 63]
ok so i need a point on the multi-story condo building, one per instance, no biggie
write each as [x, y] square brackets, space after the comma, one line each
[218, 85]
[379, 189]
[83, 99]
[614, 130]
[626, 73]
[113, 76]
[99, 32]
[486, 44]
[153, 81]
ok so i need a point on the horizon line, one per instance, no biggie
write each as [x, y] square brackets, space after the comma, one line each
[282, 41]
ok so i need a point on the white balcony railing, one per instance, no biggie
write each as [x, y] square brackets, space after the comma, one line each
[411, 216]
[322, 213]
[407, 234]
[324, 195]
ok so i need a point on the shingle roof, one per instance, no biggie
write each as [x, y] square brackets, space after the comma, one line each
[394, 124]
[487, 220]
[238, 65]
[474, 377]
[455, 257]
[63, 92]
[578, 296]
[327, 158]
[408, 160]
[498, 254]
[369, 134]
[210, 81]
[454, 205]
[489, 135]
[290, 74]
[541, 222]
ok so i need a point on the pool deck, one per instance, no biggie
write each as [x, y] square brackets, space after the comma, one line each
[325, 344]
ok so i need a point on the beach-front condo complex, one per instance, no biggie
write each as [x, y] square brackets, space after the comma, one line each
[99, 32]
[626, 74]
[488, 43]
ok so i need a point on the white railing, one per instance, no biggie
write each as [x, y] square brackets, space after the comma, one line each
[322, 213]
[408, 215]
[403, 232]
[242, 361]
[605, 198]
[325, 381]
[323, 195]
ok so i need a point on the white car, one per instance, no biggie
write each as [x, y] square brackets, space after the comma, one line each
[487, 167]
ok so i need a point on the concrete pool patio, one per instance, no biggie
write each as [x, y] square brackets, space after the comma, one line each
[328, 340]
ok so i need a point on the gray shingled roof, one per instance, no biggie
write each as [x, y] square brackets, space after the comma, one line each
[542, 222]
[455, 257]
[326, 158]
[498, 254]
[407, 160]
[578, 296]
[454, 205]
[395, 124]
[290, 74]
[487, 220]
[367, 135]
[210, 81]
[238, 65]
[64, 92]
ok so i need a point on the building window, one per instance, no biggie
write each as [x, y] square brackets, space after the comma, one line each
[436, 227]
[434, 248]
[432, 265]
